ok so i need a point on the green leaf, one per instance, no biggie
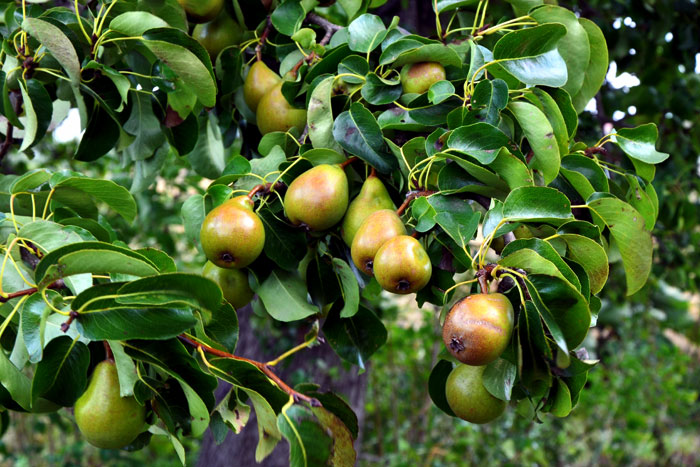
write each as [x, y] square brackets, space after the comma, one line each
[409, 50]
[288, 16]
[436, 385]
[320, 116]
[342, 451]
[380, 91]
[358, 132]
[354, 339]
[493, 96]
[208, 157]
[511, 169]
[540, 135]
[309, 443]
[115, 196]
[135, 23]
[448, 5]
[550, 109]
[639, 143]
[126, 370]
[350, 288]
[591, 256]
[456, 218]
[561, 406]
[597, 67]
[537, 203]
[284, 296]
[356, 65]
[38, 112]
[499, 378]
[145, 128]
[172, 288]
[365, 33]
[479, 140]
[440, 91]
[19, 387]
[284, 245]
[61, 376]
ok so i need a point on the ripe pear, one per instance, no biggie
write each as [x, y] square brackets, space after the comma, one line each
[274, 113]
[201, 11]
[375, 231]
[468, 398]
[317, 198]
[107, 420]
[232, 234]
[259, 81]
[372, 197]
[216, 35]
[478, 328]
[402, 266]
[233, 283]
[418, 77]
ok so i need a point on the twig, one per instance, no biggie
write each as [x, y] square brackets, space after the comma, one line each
[261, 366]
[71, 317]
[327, 26]
[349, 161]
[20, 293]
[264, 189]
[263, 39]
[410, 196]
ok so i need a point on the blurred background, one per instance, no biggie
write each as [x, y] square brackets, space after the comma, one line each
[640, 405]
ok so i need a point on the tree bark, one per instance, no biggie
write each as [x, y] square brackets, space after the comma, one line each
[239, 449]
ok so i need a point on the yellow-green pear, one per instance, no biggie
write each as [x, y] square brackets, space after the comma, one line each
[418, 77]
[468, 398]
[106, 419]
[377, 229]
[233, 283]
[259, 81]
[372, 197]
[218, 34]
[402, 265]
[318, 198]
[274, 113]
[201, 11]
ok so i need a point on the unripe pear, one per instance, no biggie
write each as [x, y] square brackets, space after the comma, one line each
[274, 113]
[375, 231]
[216, 35]
[201, 11]
[259, 81]
[232, 234]
[478, 328]
[106, 419]
[418, 77]
[317, 198]
[372, 197]
[402, 266]
[233, 283]
[468, 398]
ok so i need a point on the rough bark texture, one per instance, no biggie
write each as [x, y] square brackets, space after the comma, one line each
[239, 449]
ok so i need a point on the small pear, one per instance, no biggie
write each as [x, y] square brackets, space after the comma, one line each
[107, 420]
[233, 283]
[468, 398]
[375, 231]
[274, 113]
[259, 81]
[201, 11]
[317, 198]
[372, 197]
[418, 77]
[232, 234]
[402, 266]
[218, 34]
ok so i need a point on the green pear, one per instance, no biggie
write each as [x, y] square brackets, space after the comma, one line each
[468, 398]
[372, 197]
[259, 81]
[375, 231]
[274, 113]
[201, 11]
[233, 283]
[232, 235]
[317, 198]
[418, 77]
[107, 420]
[478, 328]
[402, 266]
[216, 35]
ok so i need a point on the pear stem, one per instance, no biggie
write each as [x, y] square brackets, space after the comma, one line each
[264, 189]
[108, 351]
[410, 196]
[297, 396]
[372, 173]
[263, 39]
[349, 161]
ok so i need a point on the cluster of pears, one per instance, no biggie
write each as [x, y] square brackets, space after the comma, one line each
[476, 331]
[106, 419]
[262, 91]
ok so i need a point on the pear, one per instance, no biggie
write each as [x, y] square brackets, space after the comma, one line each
[468, 398]
[317, 198]
[232, 235]
[233, 283]
[274, 113]
[374, 232]
[478, 328]
[372, 197]
[402, 266]
[259, 81]
[201, 11]
[218, 34]
[418, 77]
[107, 420]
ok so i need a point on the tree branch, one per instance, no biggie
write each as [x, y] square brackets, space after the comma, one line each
[263, 39]
[20, 293]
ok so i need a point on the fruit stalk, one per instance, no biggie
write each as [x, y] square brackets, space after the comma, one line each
[263, 39]
[349, 161]
[410, 196]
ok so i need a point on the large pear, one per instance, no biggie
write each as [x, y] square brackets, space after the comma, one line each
[375, 231]
[216, 35]
[402, 266]
[372, 197]
[418, 77]
[201, 11]
[107, 420]
[233, 283]
[318, 198]
[259, 81]
[274, 113]
[468, 398]
[232, 235]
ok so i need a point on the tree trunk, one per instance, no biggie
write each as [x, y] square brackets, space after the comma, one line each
[239, 449]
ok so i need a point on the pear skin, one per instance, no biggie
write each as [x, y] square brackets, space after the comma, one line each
[478, 328]
[201, 11]
[418, 77]
[274, 113]
[318, 198]
[468, 398]
[107, 420]
[259, 81]
[233, 283]
[372, 197]
[232, 235]
[402, 265]
[377, 229]
[218, 34]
